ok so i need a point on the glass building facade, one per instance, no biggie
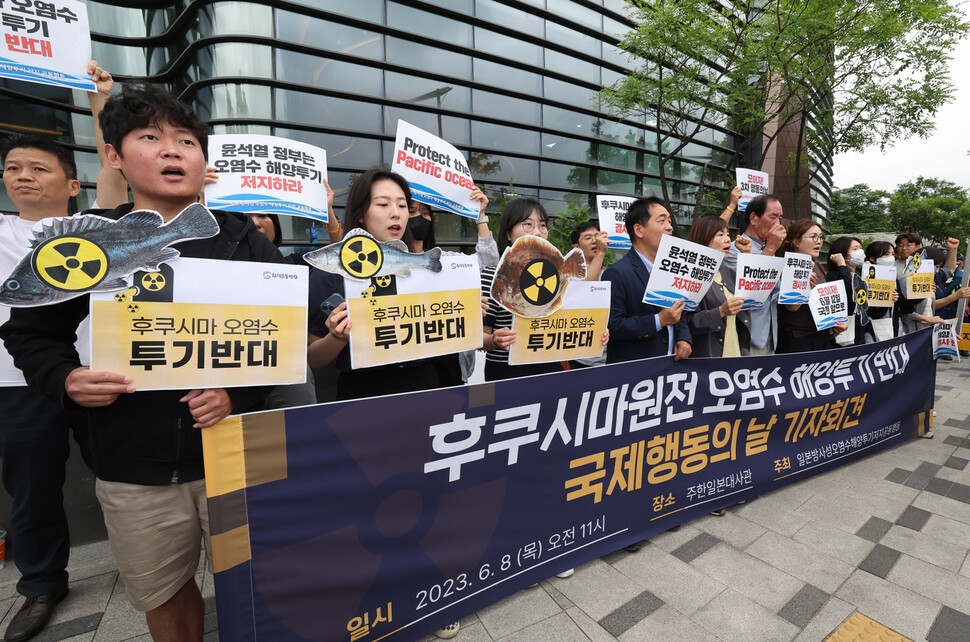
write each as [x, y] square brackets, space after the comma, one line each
[511, 83]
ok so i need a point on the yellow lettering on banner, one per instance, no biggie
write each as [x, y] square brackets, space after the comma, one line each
[920, 285]
[564, 335]
[403, 327]
[199, 345]
[880, 293]
[963, 341]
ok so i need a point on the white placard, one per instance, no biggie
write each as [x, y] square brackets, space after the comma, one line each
[829, 304]
[267, 174]
[47, 43]
[612, 214]
[752, 183]
[756, 279]
[796, 279]
[945, 341]
[681, 270]
[436, 171]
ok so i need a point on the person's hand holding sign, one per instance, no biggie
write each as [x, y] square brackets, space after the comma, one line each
[503, 338]
[671, 315]
[96, 388]
[339, 322]
[731, 307]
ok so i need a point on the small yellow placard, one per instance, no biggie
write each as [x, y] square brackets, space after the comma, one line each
[575, 331]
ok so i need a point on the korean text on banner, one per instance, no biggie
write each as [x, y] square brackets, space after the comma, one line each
[267, 174]
[796, 279]
[752, 183]
[426, 314]
[881, 280]
[611, 211]
[435, 170]
[681, 270]
[200, 323]
[46, 42]
[828, 304]
[573, 331]
[757, 277]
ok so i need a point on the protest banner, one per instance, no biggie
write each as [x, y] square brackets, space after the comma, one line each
[752, 183]
[881, 280]
[919, 278]
[201, 323]
[945, 341]
[796, 279]
[397, 318]
[611, 211]
[267, 174]
[435, 170]
[681, 270]
[387, 518]
[571, 332]
[47, 43]
[828, 304]
[963, 340]
[756, 279]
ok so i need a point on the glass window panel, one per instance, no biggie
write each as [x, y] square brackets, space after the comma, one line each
[299, 29]
[614, 28]
[490, 73]
[121, 60]
[451, 229]
[575, 12]
[610, 77]
[242, 128]
[620, 133]
[514, 109]
[464, 6]
[514, 18]
[370, 10]
[445, 30]
[88, 166]
[569, 66]
[342, 150]
[567, 92]
[617, 156]
[331, 74]
[432, 93]
[572, 39]
[562, 147]
[327, 112]
[567, 121]
[498, 168]
[84, 200]
[616, 182]
[564, 176]
[616, 6]
[506, 139]
[236, 59]
[128, 22]
[433, 59]
[83, 129]
[556, 202]
[617, 56]
[495, 43]
[696, 152]
[27, 118]
[250, 18]
[453, 130]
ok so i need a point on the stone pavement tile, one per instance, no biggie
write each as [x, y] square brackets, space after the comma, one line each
[874, 529]
[893, 606]
[898, 475]
[925, 547]
[834, 541]
[120, 621]
[518, 611]
[598, 588]
[870, 504]
[473, 631]
[6, 606]
[749, 576]
[561, 600]
[879, 487]
[949, 625]
[796, 494]
[696, 547]
[91, 568]
[965, 569]
[933, 582]
[558, 628]
[804, 562]
[87, 597]
[917, 481]
[958, 463]
[926, 450]
[678, 584]
[948, 530]
[952, 474]
[802, 608]
[81, 628]
[772, 514]
[829, 617]
[959, 492]
[733, 617]
[625, 617]
[591, 628]
[669, 540]
[670, 625]
[953, 440]
[926, 468]
[880, 560]
[944, 506]
[88, 552]
[84, 637]
[913, 518]
[732, 528]
[938, 486]
[823, 509]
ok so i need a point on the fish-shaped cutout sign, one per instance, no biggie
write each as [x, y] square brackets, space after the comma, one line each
[360, 256]
[74, 255]
[530, 280]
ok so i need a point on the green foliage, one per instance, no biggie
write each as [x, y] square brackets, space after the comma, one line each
[859, 209]
[935, 208]
[562, 224]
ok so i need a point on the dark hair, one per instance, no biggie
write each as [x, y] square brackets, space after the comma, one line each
[582, 227]
[795, 233]
[706, 228]
[759, 204]
[639, 213]
[359, 195]
[840, 246]
[139, 105]
[878, 249]
[424, 205]
[515, 212]
[23, 141]
[936, 254]
[277, 230]
[912, 237]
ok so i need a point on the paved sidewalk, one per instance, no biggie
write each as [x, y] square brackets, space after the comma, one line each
[887, 537]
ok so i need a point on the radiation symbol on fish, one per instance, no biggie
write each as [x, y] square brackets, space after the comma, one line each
[383, 280]
[539, 282]
[153, 281]
[917, 261]
[861, 297]
[361, 257]
[70, 263]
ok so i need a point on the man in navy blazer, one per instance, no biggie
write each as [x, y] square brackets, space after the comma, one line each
[639, 330]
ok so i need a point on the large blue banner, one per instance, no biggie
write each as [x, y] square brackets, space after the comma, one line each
[388, 518]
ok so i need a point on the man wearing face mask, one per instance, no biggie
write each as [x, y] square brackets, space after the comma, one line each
[846, 256]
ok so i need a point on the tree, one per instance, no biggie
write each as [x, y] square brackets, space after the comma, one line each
[935, 208]
[859, 209]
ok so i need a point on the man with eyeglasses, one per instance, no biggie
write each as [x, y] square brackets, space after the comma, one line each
[767, 234]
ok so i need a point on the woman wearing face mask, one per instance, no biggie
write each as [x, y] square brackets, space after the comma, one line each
[846, 256]
[881, 324]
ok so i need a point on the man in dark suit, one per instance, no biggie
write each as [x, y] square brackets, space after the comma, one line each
[639, 330]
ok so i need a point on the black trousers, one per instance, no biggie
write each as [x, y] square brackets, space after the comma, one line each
[34, 446]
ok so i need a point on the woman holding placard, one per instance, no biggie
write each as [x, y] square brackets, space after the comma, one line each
[882, 324]
[796, 326]
[846, 256]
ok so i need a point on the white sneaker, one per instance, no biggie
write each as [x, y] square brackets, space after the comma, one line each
[566, 573]
[448, 632]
